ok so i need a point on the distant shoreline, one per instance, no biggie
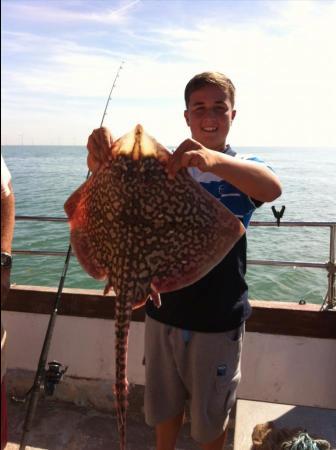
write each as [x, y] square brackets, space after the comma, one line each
[238, 147]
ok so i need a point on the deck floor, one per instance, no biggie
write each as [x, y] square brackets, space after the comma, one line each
[316, 421]
[60, 425]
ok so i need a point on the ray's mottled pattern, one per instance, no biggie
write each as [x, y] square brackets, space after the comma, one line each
[145, 234]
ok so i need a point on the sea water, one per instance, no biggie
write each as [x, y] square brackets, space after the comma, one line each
[44, 176]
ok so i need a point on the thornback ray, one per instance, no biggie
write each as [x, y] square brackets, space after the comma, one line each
[145, 233]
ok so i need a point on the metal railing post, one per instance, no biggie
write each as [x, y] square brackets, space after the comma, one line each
[331, 267]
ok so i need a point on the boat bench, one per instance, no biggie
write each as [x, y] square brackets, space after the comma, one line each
[317, 421]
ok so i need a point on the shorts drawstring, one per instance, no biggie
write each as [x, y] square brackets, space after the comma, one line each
[186, 334]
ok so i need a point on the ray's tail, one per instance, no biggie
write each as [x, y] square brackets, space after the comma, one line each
[123, 317]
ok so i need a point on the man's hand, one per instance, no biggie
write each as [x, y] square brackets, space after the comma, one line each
[254, 179]
[99, 146]
[191, 154]
[5, 283]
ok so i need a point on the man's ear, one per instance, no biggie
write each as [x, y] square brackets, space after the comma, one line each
[186, 116]
[233, 115]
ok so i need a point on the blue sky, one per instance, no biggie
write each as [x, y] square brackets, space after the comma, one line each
[59, 59]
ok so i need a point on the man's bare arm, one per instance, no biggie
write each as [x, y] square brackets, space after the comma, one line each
[254, 179]
[7, 221]
[7, 232]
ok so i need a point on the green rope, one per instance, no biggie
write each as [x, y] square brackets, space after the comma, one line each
[304, 442]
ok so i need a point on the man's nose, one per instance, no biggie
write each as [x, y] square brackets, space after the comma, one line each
[210, 113]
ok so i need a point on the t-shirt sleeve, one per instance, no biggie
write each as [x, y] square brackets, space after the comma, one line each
[5, 179]
[258, 160]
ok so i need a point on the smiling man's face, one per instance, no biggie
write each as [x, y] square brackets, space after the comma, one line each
[209, 116]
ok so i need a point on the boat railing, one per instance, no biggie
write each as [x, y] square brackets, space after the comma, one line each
[329, 301]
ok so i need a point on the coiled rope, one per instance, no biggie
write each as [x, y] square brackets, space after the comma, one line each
[304, 442]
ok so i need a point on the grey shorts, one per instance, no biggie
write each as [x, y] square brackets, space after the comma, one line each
[201, 369]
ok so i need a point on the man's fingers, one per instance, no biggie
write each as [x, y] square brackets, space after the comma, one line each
[173, 165]
[99, 146]
[92, 163]
[94, 141]
[178, 158]
[185, 146]
[174, 162]
[105, 139]
[185, 160]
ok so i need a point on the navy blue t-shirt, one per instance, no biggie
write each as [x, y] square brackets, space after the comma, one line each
[219, 301]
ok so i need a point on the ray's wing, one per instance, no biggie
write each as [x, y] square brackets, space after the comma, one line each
[89, 233]
[198, 233]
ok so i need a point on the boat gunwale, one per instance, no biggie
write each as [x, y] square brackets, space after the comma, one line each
[269, 317]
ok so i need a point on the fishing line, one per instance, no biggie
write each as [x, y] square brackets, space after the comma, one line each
[53, 375]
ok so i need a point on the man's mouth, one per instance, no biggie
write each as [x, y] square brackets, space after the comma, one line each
[209, 129]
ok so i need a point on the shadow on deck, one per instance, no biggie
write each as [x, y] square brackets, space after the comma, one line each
[60, 425]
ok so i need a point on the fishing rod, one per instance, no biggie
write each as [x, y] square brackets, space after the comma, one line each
[112, 88]
[55, 372]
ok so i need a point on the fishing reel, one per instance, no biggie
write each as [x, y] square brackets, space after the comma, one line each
[53, 376]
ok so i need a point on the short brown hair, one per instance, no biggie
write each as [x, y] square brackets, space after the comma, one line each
[205, 78]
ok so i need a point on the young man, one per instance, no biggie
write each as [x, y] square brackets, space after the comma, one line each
[193, 342]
